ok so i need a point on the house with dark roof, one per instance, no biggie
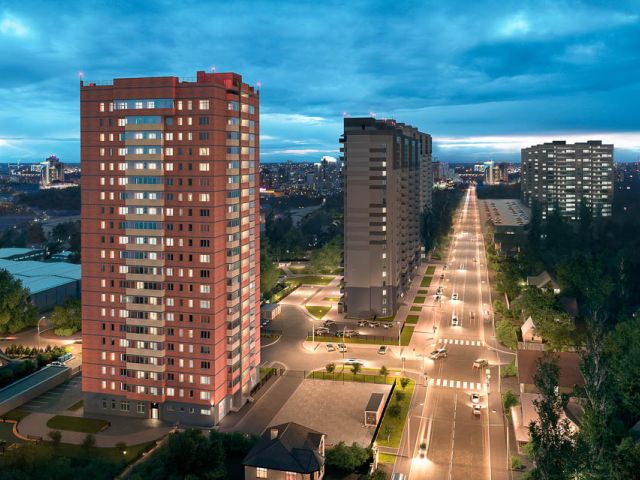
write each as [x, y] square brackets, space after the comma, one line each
[289, 451]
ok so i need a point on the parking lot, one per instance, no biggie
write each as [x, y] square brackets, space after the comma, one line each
[57, 399]
[333, 408]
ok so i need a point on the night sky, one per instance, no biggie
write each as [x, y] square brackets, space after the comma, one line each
[484, 78]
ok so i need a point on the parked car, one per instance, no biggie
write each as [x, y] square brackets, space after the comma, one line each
[387, 325]
[330, 347]
[455, 322]
[265, 322]
[362, 324]
[382, 350]
[329, 323]
[342, 348]
[439, 353]
[475, 398]
[322, 331]
[454, 296]
[56, 364]
[373, 324]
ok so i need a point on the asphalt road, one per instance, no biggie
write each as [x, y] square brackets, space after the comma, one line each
[459, 444]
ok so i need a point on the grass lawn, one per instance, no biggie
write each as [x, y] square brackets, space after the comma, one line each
[419, 299]
[415, 308]
[297, 268]
[423, 292]
[386, 458]
[317, 312]
[113, 455]
[431, 270]
[405, 336]
[76, 424]
[76, 406]
[426, 282]
[412, 319]
[6, 434]
[396, 424]
[311, 280]
[16, 414]
[331, 299]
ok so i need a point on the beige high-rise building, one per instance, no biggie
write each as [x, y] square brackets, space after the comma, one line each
[565, 175]
[387, 176]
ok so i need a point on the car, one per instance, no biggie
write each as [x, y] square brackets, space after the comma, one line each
[322, 331]
[362, 324]
[423, 450]
[455, 322]
[373, 324]
[265, 322]
[387, 325]
[477, 410]
[439, 291]
[462, 266]
[330, 347]
[438, 353]
[442, 276]
[399, 476]
[382, 350]
[480, 363]
[438, 298]
[342, 348]
[445, 267]
[472, 315]
[454, 296]
[475, 398]
[56, 364]
[352, 361]
[329, 323]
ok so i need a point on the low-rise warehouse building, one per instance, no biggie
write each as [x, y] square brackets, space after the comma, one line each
[49, 284]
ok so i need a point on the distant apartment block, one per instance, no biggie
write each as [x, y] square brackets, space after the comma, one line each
[564, 175]
[170, 246]
[387, 175]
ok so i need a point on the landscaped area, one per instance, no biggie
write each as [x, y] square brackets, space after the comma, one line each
[392, 426]
[310, 280]
[16, 415]
[77, 424]
[431, 269]
[405, 335]
[426, 282]
[317, 311]
[412, 319]
[348, 376]
[415, 308]
[419, 299]
[331, 299]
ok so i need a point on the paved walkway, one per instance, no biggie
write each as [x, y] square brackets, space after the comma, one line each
[121, 429]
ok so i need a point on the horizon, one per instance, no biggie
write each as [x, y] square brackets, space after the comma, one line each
[484, 81]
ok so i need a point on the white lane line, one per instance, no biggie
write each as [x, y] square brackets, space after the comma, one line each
[464, 385]
[458, 384]
[438, 382]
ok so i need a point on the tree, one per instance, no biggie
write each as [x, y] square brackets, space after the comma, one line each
[89, 441]
[552, 445]
[55, 436]
[269, 273]
[623, 350]
[121, 446]
[598, 424]
[404, 382]
[378, 474]
[67, 318]
[355, 368]
[506, 333]
[387, 431]
[330, 367]
[399, 396]
[394, 410]
[326, 259]
[626, 461]
[384, 372]
[16, 310]
[347, 458]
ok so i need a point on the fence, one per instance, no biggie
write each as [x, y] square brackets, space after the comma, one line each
[366, 339]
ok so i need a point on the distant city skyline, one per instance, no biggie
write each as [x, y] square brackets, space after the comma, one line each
[485, 79]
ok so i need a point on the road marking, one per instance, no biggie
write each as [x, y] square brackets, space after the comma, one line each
[464, 385]
[456, 341]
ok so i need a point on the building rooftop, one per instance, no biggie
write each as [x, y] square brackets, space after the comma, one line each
[15, 251]
[40, 276]
[374, 402]
[506, 212]
[289, 447]
[569, 363]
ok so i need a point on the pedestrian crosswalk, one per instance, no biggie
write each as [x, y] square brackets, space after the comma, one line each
[444, 382]
[458, 341]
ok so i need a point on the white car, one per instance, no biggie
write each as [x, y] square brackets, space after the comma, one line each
[476, 410]
[475, 398]
[454, 296]
[455, 322]
[352, 361]
[342, 348]
[462, 266]
[382, 350]
[330, 347]
[387, 325]
[362, 324]
[439, 353]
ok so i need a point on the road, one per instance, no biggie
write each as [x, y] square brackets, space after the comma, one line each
[459, 444]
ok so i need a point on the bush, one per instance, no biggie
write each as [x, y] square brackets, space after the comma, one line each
[506, 333]
[399, 396]
[395, 410]
[516, 463]
[64, 332]
[89, 441]
[509, 399]
[55, 436]
[509, 370]
[404, 382]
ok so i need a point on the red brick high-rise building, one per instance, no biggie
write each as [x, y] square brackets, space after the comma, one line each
[170, 246]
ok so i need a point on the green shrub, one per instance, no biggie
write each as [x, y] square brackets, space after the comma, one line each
[506, 334]
[509, 370]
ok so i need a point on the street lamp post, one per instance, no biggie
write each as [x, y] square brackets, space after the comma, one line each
[38, 329]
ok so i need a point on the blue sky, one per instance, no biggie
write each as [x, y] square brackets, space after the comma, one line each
[484, 78]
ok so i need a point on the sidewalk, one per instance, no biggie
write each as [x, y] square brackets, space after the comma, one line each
[121, 429]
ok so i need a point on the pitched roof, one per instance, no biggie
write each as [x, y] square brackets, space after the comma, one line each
[295, 449]
[542, 280]
[569, 363]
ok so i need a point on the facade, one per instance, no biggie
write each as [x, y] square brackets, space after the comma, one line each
[289, 451]
[383, 204]
[565, 175]
[51, 171]
[170, 246]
